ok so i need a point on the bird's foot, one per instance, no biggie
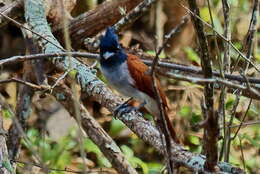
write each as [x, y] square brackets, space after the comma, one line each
[124, 108]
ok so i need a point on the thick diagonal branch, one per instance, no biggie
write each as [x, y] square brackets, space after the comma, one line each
[96, 133]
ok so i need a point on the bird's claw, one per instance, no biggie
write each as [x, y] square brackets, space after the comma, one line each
[123, 108]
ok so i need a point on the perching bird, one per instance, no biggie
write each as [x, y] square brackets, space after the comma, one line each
[129, 76]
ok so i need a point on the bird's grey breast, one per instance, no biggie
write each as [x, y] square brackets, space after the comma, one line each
[119, 77]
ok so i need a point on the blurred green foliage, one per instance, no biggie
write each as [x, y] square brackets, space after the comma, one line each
[153, 53]
[192, 55]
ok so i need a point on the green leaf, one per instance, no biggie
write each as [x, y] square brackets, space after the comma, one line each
[6, 164]
[217, 23]
[185, 111]
[34, 136]
[139, 162]
[63, 160]
[134, 160]
[194, 140]
[192, 55]
[102, 161]
[116, 126]
[254, 141]
[6, 113]
[73, 73]
[244, 5]
[154, 168]
[204, 14]
[257, 57]
[229, 102]
[127, 151]
[238, 45]
[195, 118]
[91, 147]
[235, 120]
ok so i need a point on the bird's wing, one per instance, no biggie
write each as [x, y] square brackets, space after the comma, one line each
[143, 81]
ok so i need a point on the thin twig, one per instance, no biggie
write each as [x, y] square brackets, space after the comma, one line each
[139, 10]
[61, 170]
[134, 14]
[29, 84]
[13, 10]
[162, 123]
[248, 48]
[167, 37]
[225, 63]
[22, 26]
[227, 34]
[242, 153]
[75, 103]
[250, 39]
[243, 119]
[223, 38]
[246, 123]
[59, 80]
[215, 42]
[227, 83]
[228, 130]
[168, 65]
[195, 70]
[16, 59]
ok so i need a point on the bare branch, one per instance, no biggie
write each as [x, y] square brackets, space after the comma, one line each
[249, 90]
[211, 128]
[93, 21]
[225, 65]
[168, 65]
[248, 47]
[13, 10]
[94, 131]
[227, 34]
[252, 93]
[243, 119]
[252, 32]
[26, 28]
[139, 10]
[223, 38]
[16, 59]
[26, 83]
[161, 119]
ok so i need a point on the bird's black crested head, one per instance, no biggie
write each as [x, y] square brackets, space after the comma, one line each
[111, 52]
[109, 42]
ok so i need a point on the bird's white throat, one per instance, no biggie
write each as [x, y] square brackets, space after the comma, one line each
[108, 54]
